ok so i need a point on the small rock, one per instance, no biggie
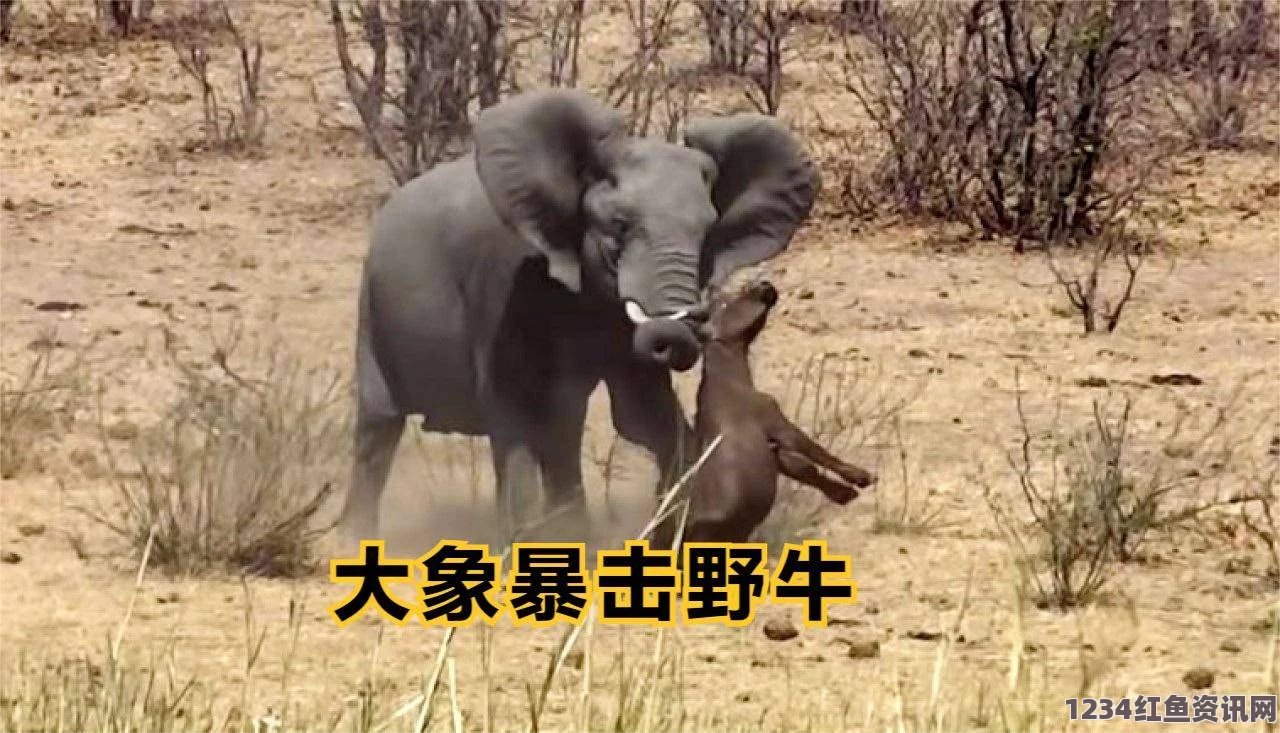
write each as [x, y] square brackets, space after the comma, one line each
[9, 557]
[60, 306]
[1266, 624]
[31, 530]
[805, 294]
[866, 649]
[1198, 678]
[924, 635]
[222, 287]
[1230, 646]
[1176, 380]
[574, 659]
[780, 629]
[1092, 382]
[122, 430]
[170, 597]
[918, 354]
[742, 697]
[84, 459]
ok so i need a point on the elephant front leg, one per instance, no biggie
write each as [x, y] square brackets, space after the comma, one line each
[560, 454]
[646, 412]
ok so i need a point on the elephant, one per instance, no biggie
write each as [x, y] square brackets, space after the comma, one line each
[499, 289]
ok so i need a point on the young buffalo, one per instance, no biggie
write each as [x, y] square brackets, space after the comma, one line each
[735, 490]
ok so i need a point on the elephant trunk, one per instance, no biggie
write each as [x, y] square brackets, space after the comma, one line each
[667, 341]
[666, 329]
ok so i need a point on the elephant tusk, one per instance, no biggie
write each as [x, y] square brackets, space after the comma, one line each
[636, 313]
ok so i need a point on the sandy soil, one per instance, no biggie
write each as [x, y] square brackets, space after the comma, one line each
[102, 207]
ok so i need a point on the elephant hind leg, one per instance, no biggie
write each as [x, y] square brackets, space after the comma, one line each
[516, 470]
[376, 442]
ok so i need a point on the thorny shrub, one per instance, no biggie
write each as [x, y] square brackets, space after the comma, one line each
[1091, 496]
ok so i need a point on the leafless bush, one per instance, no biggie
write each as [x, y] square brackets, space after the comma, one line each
[855, 13]
[562, 26]
[911, 511]
[1261, 518]
[652, 93]
[39, 403]
[225, 128]
[6, 19]
[1008, 116]
[120, 15]
[740, 32]
[1098, 275]
[845, 406]
[1223, 74]
[730, 37]
[453, 60]
[237, 471]
[1091, 496]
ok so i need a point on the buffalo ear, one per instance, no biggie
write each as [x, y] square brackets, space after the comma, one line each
[536, 153]
[764, 189]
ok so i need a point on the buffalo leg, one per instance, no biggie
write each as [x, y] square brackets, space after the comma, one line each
[800, 468]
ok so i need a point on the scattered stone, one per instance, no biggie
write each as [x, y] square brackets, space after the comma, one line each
[122, 430]
[924, 635]
[804, 294]
[1230, 646]
[222, 287]
[9, 557]
[1237, 565]
[86, 460]
[742, 697]
[1092, 382]
[864, 649]
[1176, 379]
[1266, 624]
[31, 529]
[780, 629]
[170, 597]
[60, 306]
[918, 354]
[1198, 678]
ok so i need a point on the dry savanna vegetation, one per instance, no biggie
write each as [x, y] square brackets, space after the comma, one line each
[1038, 293]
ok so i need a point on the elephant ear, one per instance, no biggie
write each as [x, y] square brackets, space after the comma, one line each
[536, 153]
[764, 189]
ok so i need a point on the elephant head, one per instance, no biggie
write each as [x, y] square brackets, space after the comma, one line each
[641, 223]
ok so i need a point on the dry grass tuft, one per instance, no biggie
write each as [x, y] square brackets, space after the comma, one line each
[39, 403]
[238, 469]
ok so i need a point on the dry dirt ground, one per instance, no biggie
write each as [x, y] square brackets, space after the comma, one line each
[103, 207]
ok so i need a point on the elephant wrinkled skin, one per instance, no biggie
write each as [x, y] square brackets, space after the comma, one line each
[499, 289]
